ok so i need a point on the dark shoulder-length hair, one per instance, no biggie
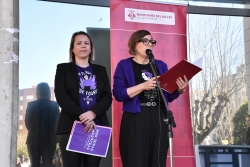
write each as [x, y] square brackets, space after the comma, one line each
[72, 55]
[43, 91]
[134, 39]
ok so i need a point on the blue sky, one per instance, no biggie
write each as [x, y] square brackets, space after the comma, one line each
[45, 32]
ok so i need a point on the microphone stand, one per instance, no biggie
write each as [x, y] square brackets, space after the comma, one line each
[170, 119]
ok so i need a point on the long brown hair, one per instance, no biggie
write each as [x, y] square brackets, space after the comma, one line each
[72, 55]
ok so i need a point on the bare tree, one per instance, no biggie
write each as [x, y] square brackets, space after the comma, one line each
[220, 42]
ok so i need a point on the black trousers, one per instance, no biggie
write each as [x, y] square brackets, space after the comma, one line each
[36, 151]
[143, 138]
[73, 159]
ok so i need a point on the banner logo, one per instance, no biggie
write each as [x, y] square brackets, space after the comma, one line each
[131, 14]
[149, 16]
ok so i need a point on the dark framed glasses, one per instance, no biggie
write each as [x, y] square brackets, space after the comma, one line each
[145, 41]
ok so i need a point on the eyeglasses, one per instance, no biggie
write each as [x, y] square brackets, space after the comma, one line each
[145, 41]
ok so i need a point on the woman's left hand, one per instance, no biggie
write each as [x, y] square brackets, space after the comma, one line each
[87, 117]
[182, 84]
[89, 126]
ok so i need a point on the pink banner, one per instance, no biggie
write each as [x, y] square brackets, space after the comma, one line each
[167, 24]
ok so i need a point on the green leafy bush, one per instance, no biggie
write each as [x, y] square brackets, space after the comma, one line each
[240, 126]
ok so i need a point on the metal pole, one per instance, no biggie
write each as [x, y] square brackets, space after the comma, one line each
[170, 119]
[170, 135]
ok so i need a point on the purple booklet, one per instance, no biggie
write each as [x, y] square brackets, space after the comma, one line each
[94, 143]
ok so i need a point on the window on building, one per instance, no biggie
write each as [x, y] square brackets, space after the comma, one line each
[21, 98]
[20, 127]
[30, 97]
[20, 117]
[21, 107]
[219, 39]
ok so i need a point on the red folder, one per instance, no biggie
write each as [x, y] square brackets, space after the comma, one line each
[168, 79]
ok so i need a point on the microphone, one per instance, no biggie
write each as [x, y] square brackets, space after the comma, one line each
[150, 54]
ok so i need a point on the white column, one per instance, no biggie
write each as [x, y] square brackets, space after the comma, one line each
[9, 50]
[247, 54]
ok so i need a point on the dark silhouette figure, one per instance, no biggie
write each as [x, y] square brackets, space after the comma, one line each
[21, 158]
[41, 121]
[18, 163]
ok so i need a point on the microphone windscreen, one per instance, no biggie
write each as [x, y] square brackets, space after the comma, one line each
[149, 52]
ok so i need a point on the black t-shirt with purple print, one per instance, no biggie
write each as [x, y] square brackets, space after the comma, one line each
[87, 88]
[143, 72]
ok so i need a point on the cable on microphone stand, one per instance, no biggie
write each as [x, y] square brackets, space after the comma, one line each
[170, 118]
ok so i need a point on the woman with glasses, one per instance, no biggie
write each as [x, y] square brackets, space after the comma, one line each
[143, 132]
